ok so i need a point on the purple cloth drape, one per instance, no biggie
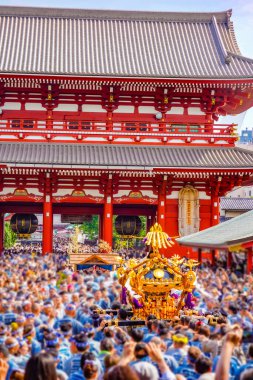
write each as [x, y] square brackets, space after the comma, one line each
[137, 304]
[188, 301]
[124, 295]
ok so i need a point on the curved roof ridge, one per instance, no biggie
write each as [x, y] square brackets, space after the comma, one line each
[220, 43]
[223, 16]
[233, 36]
[239, 56]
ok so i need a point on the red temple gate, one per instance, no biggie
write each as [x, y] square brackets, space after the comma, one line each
[120, 124]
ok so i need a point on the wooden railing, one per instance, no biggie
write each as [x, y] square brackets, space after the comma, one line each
[114, 130]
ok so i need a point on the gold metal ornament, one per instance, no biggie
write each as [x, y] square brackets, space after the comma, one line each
[158, 273]
[73, 246]
[157, 285]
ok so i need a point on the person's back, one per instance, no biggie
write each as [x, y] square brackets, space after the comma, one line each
[79, 345]
[235, 364]
[188, 372]
[106, 348]
[188, 369]
[79, 374]
[178, 350]
[246, 366]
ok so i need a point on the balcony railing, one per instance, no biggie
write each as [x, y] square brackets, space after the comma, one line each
[117, 131]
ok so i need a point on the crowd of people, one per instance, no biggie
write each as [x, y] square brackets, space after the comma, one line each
[61, 244]
[50, 328]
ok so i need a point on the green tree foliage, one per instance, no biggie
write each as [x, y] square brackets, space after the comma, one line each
[9, 236]
[91, 229]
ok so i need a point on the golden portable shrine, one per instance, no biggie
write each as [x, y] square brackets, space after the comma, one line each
[157, 285]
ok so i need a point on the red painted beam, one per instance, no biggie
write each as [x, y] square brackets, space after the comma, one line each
[10, 207]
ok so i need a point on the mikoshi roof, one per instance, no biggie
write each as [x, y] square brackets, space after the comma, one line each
[124, 156]
[235, 231]
[94, 258]
[236, 203]
[120, 44]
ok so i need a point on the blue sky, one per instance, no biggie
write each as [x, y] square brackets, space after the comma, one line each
[242, 18]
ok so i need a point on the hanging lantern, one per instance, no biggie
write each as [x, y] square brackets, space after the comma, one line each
[24, 225]
[128, 225]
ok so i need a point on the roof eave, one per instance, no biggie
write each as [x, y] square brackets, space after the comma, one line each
[130, 78]
[202, 245]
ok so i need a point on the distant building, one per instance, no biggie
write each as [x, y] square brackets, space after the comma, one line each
[246, 136]
[231, 207]
[241, 192]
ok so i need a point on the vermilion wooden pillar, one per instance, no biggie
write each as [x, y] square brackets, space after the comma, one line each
[161, 203]
[149, 223]
[213, 257]
[108, 212]
[200, 255]
[229, 259]
[107, 220]
[101, 227]
[249, 252]
[215, 210]
[1, 233]
[47, 242]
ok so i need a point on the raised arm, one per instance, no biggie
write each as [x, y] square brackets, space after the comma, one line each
[232, 339]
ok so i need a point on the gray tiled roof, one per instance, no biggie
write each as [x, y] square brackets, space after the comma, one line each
[125, 155]
[231, 232]
[236, 203]
[120, 43]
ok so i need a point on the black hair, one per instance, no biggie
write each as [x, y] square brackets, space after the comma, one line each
[81, 342]
[86, 356]
[203, 365]
[66, 327]
[137, 335]
[108, 332]
[204, 330]
[140, 351]
[90, 368]
[233, 308]
[51, 340]
[122, 314]
[193, 325]
[40, 367]
[185, 320]
[121, 336]
[250, 351]
[116, 305]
